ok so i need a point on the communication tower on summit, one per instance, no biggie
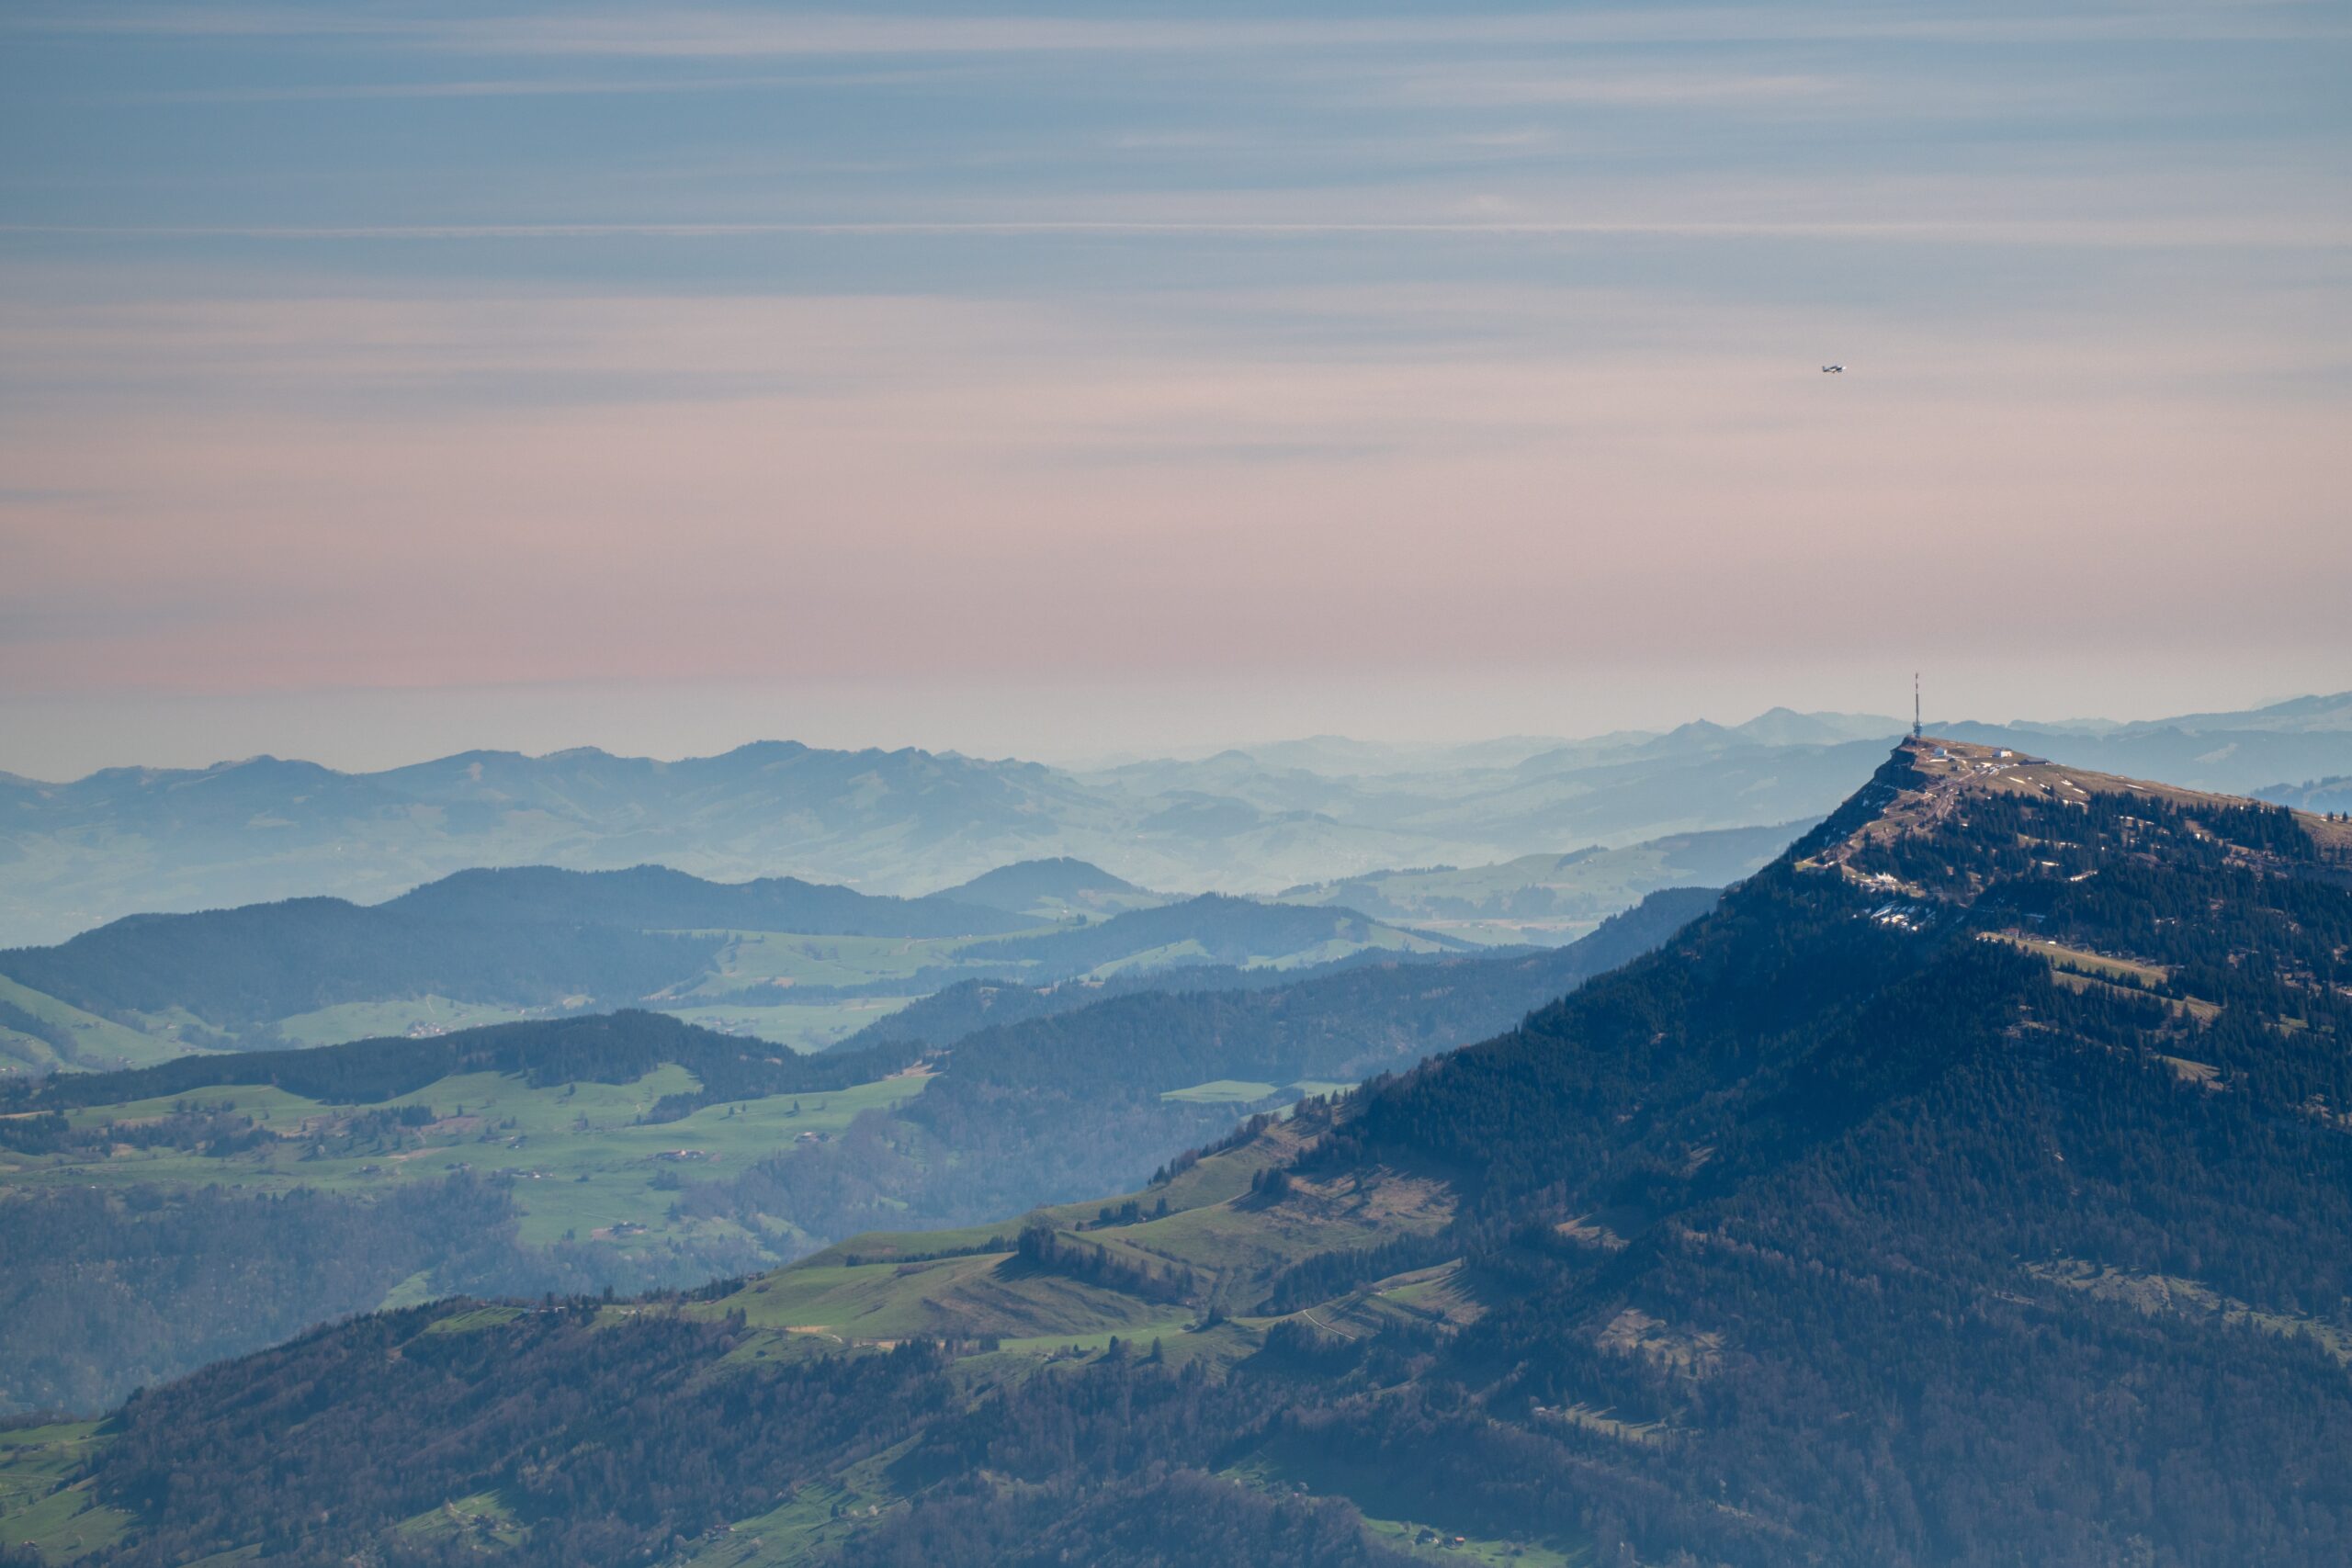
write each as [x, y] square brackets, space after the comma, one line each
[1915, 704]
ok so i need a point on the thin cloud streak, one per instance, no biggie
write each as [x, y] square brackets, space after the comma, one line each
[720, 33]
[516, 88]
[2089, 232]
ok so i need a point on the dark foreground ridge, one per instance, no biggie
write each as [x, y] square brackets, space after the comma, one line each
[1972, 1187]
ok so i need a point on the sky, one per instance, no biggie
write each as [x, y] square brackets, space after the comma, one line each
[377, 380]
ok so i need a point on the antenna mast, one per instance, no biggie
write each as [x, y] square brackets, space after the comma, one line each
[1915, 704]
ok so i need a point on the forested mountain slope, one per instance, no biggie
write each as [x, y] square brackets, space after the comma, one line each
[1972, 1188]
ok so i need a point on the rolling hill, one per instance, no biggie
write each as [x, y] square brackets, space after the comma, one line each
[2329, 797]
[1052, 890]
[1971, 1188]
[1550, 898]
[783, 960]
[653, 897]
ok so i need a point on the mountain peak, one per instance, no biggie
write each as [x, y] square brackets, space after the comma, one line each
[1988, 810]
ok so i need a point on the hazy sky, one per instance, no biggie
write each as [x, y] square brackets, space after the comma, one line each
[377, 379]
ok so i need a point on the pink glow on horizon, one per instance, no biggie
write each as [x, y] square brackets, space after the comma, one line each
[802, 489]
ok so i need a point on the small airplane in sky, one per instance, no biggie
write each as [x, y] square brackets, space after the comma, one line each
[1833, 370]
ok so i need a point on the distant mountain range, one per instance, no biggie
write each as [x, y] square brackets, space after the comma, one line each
[1060, 888]
[2315, 795]
[652, 898]
[137, 839]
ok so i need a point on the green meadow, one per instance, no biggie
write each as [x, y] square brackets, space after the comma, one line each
[805, 1027]
[782, 960]
[375, 1020]
[585, 1164]
[92, 1043]
[39, 1505]
[1248, 1091]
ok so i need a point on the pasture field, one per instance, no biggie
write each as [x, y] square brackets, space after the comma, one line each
[1247, 1092]
[1168, 955]
[1411, 1535]
[1217, 1180]
[986, 1293]
[815, 1518]
[2083, 961]
[97, 1044]
[1221, 1091]
[1292, 1466]
[969, 1283]
[377, 1020]
[1378, 937]
[584, 1165]
[63, 1524]
[483, 1520]
[805, 1027]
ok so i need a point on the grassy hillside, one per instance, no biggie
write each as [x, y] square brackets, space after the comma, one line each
[586, 1161]
[1830, 1232]
[39, 1033]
